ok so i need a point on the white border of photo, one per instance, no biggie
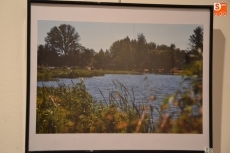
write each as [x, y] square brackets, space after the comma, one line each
[124, 14]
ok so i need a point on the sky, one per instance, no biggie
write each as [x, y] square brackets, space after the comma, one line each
[101, 35]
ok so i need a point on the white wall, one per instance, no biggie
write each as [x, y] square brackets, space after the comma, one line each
[13, 74]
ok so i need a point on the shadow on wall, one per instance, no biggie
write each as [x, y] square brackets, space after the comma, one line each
[218, 72]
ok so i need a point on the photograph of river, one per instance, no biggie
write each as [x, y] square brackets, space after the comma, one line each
[102, 77]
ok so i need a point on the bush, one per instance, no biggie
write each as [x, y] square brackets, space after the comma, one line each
[71, 109]
[189, 104]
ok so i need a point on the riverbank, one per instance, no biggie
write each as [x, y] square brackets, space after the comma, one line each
[47, 74]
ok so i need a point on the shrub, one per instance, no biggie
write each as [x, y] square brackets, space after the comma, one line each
[71, 109]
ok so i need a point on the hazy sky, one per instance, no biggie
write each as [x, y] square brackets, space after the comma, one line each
[101, 35]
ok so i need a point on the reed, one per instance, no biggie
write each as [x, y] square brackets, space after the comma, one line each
[71, 109]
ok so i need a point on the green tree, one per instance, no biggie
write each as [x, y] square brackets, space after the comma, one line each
[98, 60]
[151, 46]
[141, 50]
[63, 39]
[125, 57]
[196, 39]
[172, 47]
[87, 56]
[196, 45]
[122, 54]
[162, 47]
[47, 56]
[107, 60]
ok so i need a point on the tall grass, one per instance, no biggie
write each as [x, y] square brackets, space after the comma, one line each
[190, 103]
[71, 109]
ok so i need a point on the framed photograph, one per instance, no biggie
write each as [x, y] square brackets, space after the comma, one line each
[119, 76]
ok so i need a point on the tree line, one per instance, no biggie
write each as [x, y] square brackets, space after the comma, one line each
[62, 48]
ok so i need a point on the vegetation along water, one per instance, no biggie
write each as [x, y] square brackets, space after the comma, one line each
[129, 88]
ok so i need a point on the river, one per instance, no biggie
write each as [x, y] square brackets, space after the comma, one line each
[142, 86]
[149, 89]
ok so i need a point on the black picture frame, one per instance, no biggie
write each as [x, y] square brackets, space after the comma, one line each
[106, 12]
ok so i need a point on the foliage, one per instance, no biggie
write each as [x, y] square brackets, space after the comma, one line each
[196, 39]
[70, 109]
[63, 39]
[123, 54]
[183, 111]
[52, 74]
